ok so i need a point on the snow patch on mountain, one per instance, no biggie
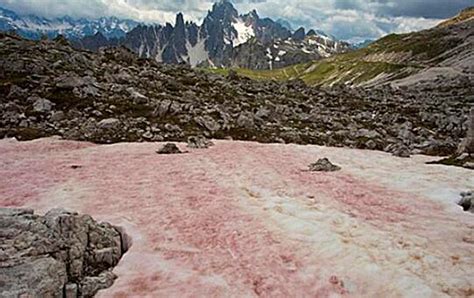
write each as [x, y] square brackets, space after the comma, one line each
[197, 53]
[244, 32]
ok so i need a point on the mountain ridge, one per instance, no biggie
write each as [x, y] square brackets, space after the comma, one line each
[440, 55]
[34, 27]
[212, 43]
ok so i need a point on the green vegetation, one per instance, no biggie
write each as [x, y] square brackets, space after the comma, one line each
[280, 74]
[394, 56]
[325, 72]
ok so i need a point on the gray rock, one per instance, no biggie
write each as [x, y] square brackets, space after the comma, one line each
[401, 151]
[42, 105]
[263, 112]
[136, 96]
[368, 134]
[468, 165]
[169, 148]
[41, 255]
[323, 165]
[148, 135]
[172, 127]
[70, 290]
[207, 122]
[467, 145]
[17, 92]
[92, 284]
[246, 120]
[69, 82]
[40, 276]
[199, 142]
[163, 108]
[109, 123]
[467, 201]
[57, 116]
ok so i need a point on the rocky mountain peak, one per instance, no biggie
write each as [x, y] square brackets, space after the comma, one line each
[311, 33]
[213, 43]
[299, 34]
[223, 10]
[179, 21]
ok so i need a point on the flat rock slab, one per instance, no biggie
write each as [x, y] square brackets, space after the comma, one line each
[245, 219]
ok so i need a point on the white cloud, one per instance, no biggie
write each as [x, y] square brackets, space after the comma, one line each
[353, 20]
[346, 19]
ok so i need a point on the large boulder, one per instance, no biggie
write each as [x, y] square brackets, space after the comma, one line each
[60, 252]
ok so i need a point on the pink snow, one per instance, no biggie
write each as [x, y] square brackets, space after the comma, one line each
[247, 219]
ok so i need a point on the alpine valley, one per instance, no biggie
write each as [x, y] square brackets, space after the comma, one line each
[224, 39]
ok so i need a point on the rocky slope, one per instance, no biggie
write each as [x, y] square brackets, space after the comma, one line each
[441, 56]
[299, 48]
[60, 254]
[48, 88]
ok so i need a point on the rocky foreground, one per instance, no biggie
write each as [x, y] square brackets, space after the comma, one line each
[60, 254]
[249, 219]
[47, 88]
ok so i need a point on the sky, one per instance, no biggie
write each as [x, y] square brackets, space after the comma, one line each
[352, 20]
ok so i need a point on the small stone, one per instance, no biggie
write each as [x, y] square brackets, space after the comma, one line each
[467, 201]
[57, 116]
[207, 122]
[169, 148]
[199, 142]
[148, 135]
[42, 105]
[401, 151]
[70, 290]
[469, 165]
[136, 96]
[323, 165]
[69, 82]
[109, 123]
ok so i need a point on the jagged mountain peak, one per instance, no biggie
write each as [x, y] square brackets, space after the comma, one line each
[299, 34]
[179, 23]
[224, 11]
[213, 43]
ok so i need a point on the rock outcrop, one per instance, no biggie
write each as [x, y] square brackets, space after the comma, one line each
[60, 254]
